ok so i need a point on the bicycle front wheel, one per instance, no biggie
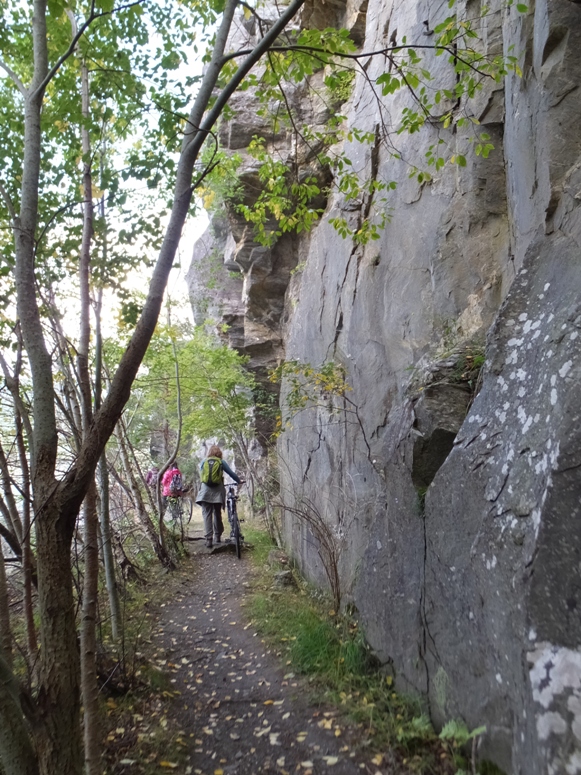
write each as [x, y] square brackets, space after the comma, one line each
[236, 531]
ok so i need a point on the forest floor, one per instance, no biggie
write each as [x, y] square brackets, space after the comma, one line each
[225, 702]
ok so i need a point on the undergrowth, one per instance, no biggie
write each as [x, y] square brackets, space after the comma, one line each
[140, 738]
[331, 651]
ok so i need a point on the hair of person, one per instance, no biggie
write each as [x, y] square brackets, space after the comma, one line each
[214, 451]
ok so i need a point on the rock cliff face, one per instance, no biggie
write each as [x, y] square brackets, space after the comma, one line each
[457, 516]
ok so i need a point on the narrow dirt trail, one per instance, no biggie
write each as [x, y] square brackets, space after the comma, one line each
[238, 710]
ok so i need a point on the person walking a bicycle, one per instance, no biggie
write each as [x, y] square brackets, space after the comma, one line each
[212, 494]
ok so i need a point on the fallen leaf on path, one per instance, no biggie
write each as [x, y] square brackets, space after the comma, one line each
[377, 759]
[168, 765]
[234, 736]
[337, 732]
[330, 760]
[307, 765]
[269, 702]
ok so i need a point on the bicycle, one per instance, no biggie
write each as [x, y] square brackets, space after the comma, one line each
[233, 518]
[175, 508]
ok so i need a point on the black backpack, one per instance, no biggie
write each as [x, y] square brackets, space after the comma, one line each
[175, 486]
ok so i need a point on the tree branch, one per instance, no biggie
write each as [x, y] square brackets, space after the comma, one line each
[264, 45]
[76, 37]
[14, 78]
[363, 54]
[8, 202]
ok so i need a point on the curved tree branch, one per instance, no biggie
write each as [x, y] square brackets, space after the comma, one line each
[76, 37]
[14, 78]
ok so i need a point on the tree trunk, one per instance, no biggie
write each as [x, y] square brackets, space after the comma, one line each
[59, 735]
[16, 752]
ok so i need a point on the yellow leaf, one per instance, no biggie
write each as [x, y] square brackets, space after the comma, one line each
[331, 760]
[377, 759]
[247, 13]
[168, 765]
[337, 733]
[389, 680]
[218, 772]
[268, 702]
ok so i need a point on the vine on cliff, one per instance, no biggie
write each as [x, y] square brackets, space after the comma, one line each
[293, 192]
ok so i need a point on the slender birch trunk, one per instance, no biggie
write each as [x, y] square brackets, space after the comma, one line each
[5, 631]
[89, 687]
[137, 498]
[103, 477]
[27, 556]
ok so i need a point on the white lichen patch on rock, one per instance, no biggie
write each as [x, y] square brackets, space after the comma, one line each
[555, 677]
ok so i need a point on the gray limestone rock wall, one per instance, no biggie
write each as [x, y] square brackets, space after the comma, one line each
[454, 501]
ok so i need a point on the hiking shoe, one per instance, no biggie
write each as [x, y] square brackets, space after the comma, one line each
[209, 544]
[217, 539]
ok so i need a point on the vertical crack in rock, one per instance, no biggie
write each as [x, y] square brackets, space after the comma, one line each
[423, 613]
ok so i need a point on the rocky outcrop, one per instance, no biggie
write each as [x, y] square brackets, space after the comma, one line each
[455, 506]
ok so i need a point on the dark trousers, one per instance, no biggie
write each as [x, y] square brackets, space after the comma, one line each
[213, 525]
